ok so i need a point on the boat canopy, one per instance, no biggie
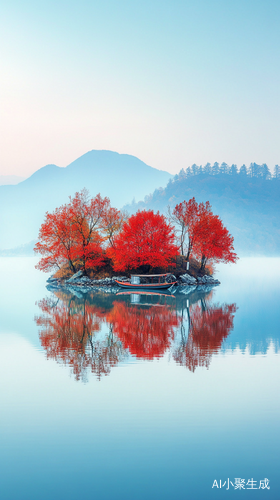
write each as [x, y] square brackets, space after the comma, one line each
[149, 275]
[149, 281]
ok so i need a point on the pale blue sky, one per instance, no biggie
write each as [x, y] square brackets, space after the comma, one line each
[171, 82]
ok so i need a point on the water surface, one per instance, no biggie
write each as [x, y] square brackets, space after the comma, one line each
[139, 396]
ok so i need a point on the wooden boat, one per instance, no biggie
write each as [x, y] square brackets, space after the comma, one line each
[147, 282]
[153, 293]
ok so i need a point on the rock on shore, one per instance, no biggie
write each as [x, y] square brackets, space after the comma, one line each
[187, 279]
[207, 280]
[81, 283]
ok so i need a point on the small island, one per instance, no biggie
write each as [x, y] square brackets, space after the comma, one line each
[89, 243]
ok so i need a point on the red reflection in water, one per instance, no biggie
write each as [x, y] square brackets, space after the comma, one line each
[68, 334]
[146, 332]
[208, 326]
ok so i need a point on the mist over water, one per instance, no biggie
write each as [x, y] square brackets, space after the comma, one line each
[139, 396]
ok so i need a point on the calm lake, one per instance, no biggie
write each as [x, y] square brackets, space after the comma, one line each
[140, 396]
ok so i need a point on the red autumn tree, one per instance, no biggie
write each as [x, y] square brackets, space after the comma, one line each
[56, 240]
[112, 223]
[185, 215]
[146, 240]
[214, 243]
[75, 231]
[86, 218]
[202, 233]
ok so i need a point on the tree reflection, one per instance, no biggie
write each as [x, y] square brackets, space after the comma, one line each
[203, 333]
[94, 333]
[146, 331]
[69, 334]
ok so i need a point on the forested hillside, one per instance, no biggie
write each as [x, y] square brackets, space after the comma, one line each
[247, 200]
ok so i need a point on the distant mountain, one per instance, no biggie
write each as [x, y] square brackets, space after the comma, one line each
[248, 205]
[26, 250]
[121, 177]
[10, 179]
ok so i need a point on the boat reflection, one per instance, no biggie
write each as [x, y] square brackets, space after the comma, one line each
[95, 332]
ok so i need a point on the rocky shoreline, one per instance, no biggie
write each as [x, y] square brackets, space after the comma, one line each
[83, 284]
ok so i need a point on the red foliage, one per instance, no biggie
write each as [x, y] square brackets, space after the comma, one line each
[75, 232]
[214, 242]
[185, 215]
[112, 223]
[71, 233]
[208, 327]
[146, 239]
[68, 335]
[206, 236]
[70, 332]
[147, 333]
[56, 238]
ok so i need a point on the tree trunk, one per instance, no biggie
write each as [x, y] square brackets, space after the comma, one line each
[182, 244]
[72, 266]
[203, 263]
[189, 250]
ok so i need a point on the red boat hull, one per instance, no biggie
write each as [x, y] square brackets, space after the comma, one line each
[145, 286]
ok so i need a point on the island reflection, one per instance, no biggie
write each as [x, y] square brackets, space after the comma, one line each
[94, 332]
